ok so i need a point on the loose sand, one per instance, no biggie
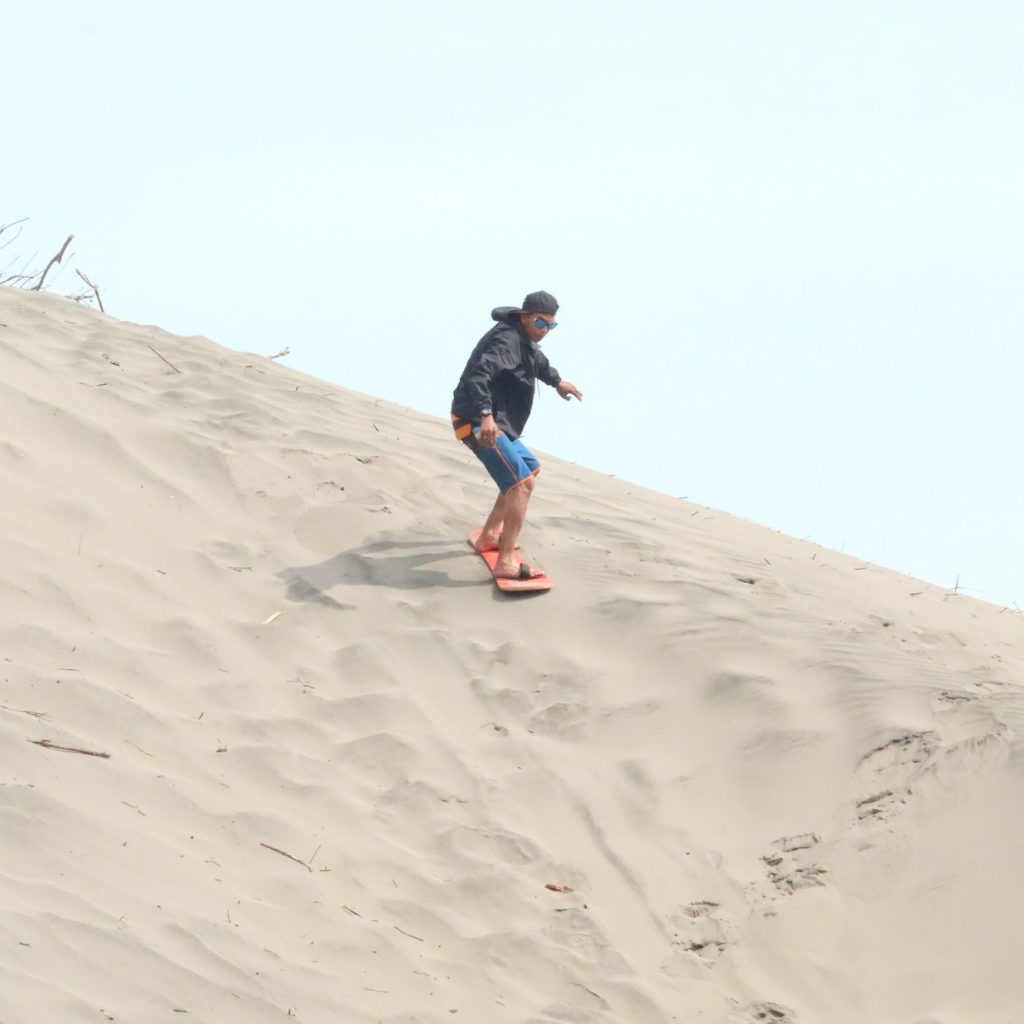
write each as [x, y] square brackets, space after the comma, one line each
[344, 773]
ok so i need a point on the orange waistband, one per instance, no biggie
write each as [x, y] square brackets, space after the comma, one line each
[463, 428]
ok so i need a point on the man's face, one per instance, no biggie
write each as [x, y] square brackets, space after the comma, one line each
[531, 321]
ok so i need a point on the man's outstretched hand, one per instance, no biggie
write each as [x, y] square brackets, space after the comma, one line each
[567, 390]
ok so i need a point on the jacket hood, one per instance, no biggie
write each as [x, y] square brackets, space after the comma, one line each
[506, 315]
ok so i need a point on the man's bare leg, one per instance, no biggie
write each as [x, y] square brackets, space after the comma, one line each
[488, 539]
[516, 500]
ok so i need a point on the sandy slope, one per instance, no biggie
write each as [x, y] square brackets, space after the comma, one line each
[783, 785]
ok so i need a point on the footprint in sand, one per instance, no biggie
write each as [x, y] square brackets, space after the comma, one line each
[768, 1013]
[952, 699]
[791, 866]
[702, 928]
[885, 774]
[899, 758]
[922, 766]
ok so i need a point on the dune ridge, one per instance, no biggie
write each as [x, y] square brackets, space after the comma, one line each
[716, 775]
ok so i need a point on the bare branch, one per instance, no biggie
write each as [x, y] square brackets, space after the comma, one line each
[20, 272]
[95, 290]
[15, 278]
[55, 259]
[24, 274]
[13, 224]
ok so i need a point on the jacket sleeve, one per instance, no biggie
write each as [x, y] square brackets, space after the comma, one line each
[491, 361]
[545, 371]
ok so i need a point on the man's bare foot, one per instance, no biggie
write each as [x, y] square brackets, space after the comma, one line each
[484, 543]
[516, 571]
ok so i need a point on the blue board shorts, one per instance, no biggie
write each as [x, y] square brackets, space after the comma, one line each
[509, 462]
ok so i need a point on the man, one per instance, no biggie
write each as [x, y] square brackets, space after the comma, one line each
[490, 408]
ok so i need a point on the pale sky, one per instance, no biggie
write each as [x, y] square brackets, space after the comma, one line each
[787, 237]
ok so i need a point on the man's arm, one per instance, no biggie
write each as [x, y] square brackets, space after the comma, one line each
[544, 370]
[547, 373]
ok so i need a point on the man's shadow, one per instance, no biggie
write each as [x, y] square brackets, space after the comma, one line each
[386, 562]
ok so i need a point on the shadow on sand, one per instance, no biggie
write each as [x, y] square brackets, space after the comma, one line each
[386, 562]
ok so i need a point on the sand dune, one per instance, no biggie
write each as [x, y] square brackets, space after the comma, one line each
[343, 773]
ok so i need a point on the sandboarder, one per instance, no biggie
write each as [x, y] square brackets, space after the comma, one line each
[490, 408]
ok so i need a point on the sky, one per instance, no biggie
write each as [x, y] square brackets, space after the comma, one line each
[787, 238]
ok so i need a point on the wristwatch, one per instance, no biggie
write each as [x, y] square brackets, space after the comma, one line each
[486, 412]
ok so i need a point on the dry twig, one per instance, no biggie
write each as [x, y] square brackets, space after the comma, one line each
[24, 711]
[288, 855]
[71, 750]
[55, 259]
[95, 290]
[167, 361]
[12, 224]
[12, 278]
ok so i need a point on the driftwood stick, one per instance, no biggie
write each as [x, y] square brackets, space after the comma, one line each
[283, 352]
[288, 855]
[56, 259]
[95, 290]
[167, 361]
[71, 750]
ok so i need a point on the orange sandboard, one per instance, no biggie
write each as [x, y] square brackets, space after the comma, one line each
[491, 557]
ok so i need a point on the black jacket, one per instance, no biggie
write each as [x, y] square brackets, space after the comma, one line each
[500, 375]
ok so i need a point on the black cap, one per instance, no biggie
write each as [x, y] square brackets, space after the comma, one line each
[540, 302]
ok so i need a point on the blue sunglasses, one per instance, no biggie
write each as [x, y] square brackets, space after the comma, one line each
[545, 325]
